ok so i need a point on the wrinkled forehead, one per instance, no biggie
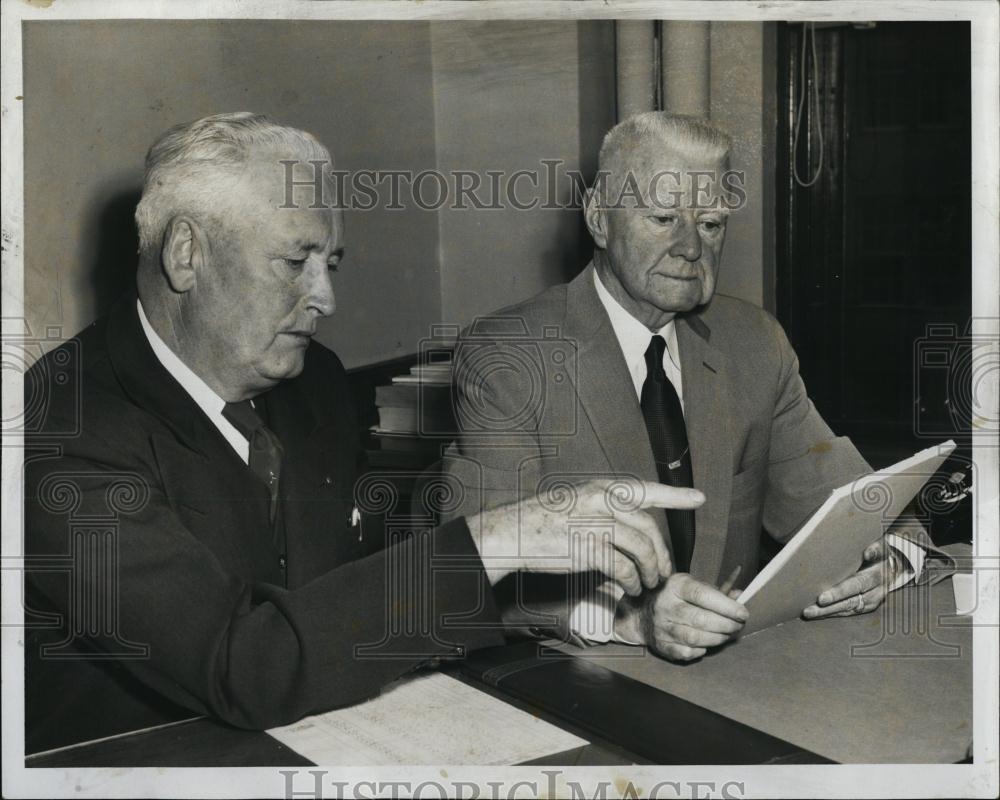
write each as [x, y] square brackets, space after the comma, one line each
[285, 193]
[292, 181]
[657, 176]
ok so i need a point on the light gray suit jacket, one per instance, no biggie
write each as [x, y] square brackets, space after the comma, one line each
[545, 399]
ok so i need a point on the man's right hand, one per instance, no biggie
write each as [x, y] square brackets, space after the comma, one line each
[681, 620]
[537, 536]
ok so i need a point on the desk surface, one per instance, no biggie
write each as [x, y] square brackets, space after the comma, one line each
[622, 718]
[619, 717]
[893, 686]
[618, 702]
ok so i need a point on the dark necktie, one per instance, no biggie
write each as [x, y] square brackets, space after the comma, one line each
[265, 448]
[661, 409]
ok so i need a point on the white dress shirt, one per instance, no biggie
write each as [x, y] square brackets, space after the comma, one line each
[633, 338]
[207, 400]
[593, 618]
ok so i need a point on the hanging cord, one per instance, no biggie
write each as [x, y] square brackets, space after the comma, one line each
[808, 36]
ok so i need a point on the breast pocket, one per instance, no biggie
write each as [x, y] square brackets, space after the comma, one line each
[748, 484]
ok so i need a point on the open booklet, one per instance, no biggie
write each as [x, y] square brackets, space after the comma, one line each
[828, 547]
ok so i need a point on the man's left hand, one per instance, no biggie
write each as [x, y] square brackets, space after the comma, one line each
[865, 590]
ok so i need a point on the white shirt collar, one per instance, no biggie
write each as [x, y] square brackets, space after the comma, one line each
[207, 400]
[633, 338]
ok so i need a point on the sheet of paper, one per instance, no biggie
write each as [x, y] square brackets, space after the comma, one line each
[430, 718]
[829, 547]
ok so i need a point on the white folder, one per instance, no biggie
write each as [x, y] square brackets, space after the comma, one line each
[829, 546]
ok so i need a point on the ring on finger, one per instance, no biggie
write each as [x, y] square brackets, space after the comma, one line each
[859, 605]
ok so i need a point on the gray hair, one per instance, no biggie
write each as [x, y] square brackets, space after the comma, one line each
[185, 166]
[690, 136]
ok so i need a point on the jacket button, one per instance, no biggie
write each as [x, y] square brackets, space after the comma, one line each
[281, 561]
[328, 480]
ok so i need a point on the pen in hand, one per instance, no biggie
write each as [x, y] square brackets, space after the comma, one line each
[727, 584]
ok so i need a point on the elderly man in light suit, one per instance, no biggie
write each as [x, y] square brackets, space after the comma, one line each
[638, 368]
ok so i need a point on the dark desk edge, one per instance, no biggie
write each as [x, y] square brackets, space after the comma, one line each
[595, 702]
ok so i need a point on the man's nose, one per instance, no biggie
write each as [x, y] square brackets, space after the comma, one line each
[320, 297]
[687, 244]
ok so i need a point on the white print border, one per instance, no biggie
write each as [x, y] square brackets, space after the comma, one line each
[979, 779]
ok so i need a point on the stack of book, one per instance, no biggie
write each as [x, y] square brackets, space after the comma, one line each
[415, 415]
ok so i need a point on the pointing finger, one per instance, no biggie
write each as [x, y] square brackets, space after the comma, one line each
[657, 495]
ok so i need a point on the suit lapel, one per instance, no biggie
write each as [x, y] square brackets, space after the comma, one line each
[707, 415]
[316, 486]
[291, 418]
[603, 382]
[604, 388]
[154, 389]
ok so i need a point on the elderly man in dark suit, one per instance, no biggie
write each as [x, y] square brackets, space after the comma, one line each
[191, 531]
[638, 368]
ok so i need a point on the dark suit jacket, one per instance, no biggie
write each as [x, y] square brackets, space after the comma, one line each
[150, 550]
[545, 399]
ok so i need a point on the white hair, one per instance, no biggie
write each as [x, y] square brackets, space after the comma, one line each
[690, 136]
[186, 166]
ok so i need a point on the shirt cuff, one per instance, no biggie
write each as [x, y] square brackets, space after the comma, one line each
[913, 559]
[593, 618]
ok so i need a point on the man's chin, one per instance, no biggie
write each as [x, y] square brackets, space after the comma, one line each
[288, 367]
[684, 301]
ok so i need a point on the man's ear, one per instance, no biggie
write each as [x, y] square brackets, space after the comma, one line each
[596, 218]
[185, 250]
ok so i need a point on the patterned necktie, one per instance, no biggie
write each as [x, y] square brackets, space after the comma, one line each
[265, 448]
[661, 409]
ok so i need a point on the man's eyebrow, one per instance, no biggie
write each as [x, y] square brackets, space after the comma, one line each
[310, 246]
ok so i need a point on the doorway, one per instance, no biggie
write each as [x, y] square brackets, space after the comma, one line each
[874, 257]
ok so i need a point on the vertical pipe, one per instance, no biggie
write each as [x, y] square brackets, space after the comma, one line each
[635, 67]
[685, 70]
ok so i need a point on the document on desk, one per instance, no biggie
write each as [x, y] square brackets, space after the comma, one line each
[828, 547]
[430, 718]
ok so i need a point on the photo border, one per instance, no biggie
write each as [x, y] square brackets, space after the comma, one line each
[978, 779]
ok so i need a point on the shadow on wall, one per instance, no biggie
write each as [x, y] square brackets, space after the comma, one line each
[584, 250]
[570, 250]
[116, 247]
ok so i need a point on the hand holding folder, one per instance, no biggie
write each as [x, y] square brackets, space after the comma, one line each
[681, 619]
[863, 591]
